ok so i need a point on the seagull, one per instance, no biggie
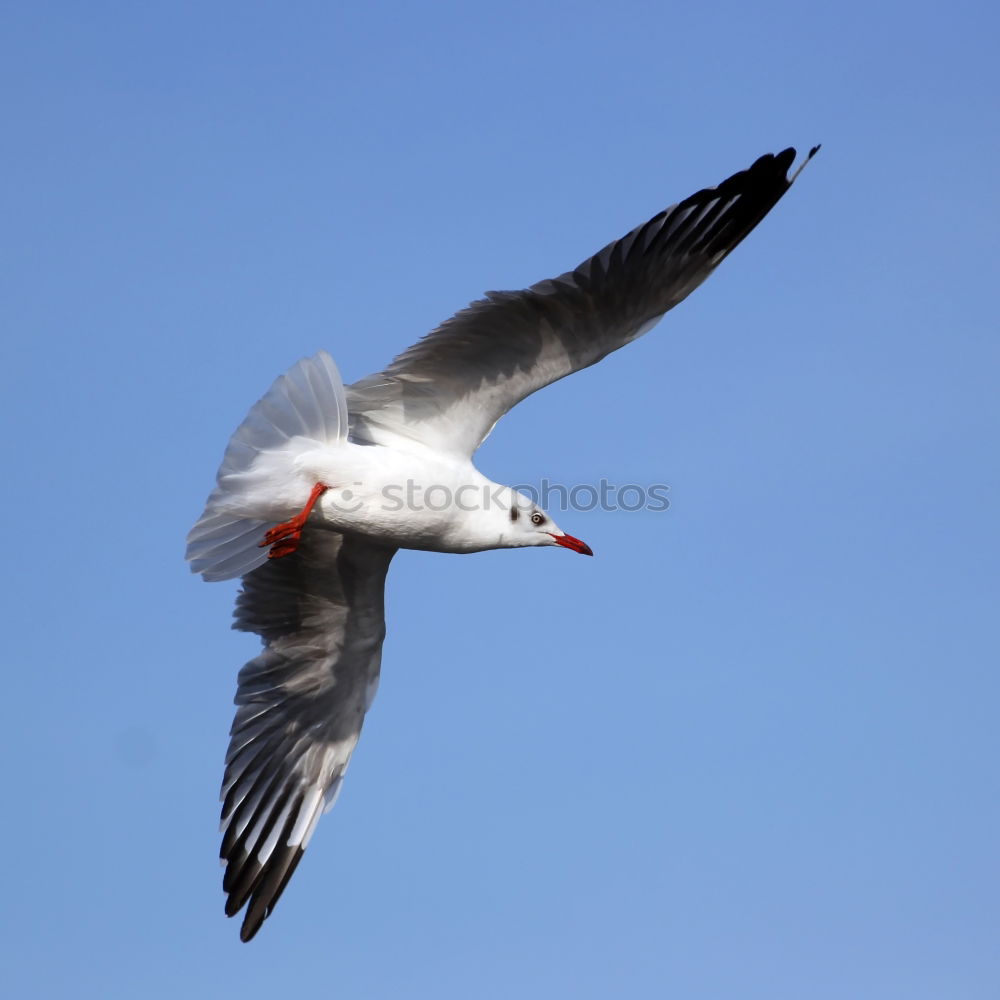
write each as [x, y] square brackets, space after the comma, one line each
[322, 484]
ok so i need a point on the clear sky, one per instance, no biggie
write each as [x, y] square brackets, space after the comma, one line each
[750, 749]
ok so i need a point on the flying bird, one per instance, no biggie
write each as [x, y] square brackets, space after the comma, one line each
[307, 507]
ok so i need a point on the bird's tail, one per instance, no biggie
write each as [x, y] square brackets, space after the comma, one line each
[304, 408]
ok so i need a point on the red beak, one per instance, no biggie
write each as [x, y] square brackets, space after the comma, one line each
[569, 542]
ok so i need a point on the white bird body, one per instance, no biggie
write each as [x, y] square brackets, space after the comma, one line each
[410, 499]
[322, 484]
[430, 502]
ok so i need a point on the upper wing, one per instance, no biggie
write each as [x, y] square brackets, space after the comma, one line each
[449, 389]
[300, 703]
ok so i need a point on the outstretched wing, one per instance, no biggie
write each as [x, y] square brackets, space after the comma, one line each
[449, 389]
[300, 706]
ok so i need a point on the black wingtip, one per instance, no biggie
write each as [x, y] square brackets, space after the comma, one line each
[248, 930]
[781, 161]
[269, 890]
[812, 152]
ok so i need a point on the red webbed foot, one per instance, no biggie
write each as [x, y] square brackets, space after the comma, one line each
[284, 538]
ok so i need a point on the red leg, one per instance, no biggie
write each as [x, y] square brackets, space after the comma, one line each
[284, 538]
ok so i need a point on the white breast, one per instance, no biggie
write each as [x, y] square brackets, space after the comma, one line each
[409, 499]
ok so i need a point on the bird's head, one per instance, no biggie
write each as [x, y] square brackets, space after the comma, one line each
[527, 524]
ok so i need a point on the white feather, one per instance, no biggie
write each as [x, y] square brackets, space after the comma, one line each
[272, 838]
[308, 811]
[304, 409]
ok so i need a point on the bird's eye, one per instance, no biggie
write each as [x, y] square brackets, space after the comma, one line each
[537, 518]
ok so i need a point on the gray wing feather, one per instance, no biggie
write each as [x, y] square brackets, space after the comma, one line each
[300, 707]
[449, 389]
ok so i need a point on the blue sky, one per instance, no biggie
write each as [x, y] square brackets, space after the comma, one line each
[749, 750]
